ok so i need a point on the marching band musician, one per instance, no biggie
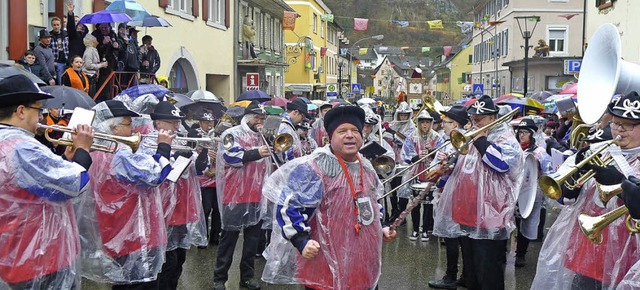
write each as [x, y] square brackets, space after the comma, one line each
[240, 174]
[417, 146]
[308, 144]
[454, 119]
[206, 170]
[526, 134]
[39, 243]
[295, 114]
[329, 219]
[401, 124]
[580, 263]
[480, 195]
[181, 200]
[122, 228]
[317, 131]
[370, 131]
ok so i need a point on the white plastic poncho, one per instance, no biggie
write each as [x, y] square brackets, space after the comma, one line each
[567, 252]
[480, 195]
[631, 280]
[38, 231]
[239, 184]
[314, 199]
[182, 205]
[287, 127]
[122, 229]
[412, 147]
[529, 226]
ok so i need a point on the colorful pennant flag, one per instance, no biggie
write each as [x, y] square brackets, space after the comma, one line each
[494, 23]
[447, 50]
[360, 24]
[343, 51]
[435, 24]
[402, 23]
[363, 51]
[426, 49]
[289, 20]
[568, 16]
[327, 17]
[323, 51]
[356, 61]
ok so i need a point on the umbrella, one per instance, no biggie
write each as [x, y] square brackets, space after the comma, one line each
[531, 106]
[277, 101]
[553, 98]
[10, 70]
[507, 96]
[178, 100]
[201, 106]
[257, 95]
[139, 90]
[550, 110]
[366, 101]
[151, 21]
[104, 16]
[235, 112]
[311, 107]
[202, 95]
[470, 102]
[541, 95]
[242, 104]
[274, 110]
[304, 99]
[132, 8]
[67, 97]
[570, 89]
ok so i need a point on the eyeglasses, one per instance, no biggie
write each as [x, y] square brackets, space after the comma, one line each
[125, 125]
[477, 119]
[447, 122]
[622, 126]
[36, 108]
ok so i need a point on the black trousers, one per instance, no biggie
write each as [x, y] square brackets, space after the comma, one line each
[452, 246]
[210, 207]
[585, 283]
[172, 269]
[151, 285]
[543, 219]
[56, 280]
[522, 242]
[393, 198]
[484, 263]
[427, 217]
[227, 247]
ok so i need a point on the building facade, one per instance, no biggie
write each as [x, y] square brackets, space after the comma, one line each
[620, 13]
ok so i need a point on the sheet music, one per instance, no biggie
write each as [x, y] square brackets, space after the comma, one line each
[178, 167]
[80, 116]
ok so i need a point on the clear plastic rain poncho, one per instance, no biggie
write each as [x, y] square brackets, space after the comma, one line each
[405, 128]
[631, 280]
[122, 229]
[567, 252]
[480, 195]
[413, 146]
[38, 231]
[239, 184]
[181, 203]
[314, 198]
[443, 224]
[287, 127]
[529, 226]
[318, 133]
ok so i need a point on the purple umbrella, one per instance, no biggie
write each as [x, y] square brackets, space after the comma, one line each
[257, 95]
[139, 90]
[104, 16]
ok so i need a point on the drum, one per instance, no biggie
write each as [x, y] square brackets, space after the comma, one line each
[417, 188]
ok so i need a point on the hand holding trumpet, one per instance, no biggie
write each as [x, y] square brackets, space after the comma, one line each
[82, 138]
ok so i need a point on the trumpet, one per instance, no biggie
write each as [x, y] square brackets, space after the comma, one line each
[551, 185]
[607, 192]
[592, 227]
[131, 141]
[462, 141]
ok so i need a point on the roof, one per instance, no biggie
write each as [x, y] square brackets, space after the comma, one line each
[370, 55]
[277, 9]
[395, 67]
[389, 50]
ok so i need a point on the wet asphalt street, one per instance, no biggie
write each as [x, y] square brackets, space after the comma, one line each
[405, 265]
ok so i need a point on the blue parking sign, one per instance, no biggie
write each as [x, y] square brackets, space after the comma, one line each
[355, 88]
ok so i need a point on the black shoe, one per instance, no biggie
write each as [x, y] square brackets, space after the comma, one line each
[461, 282]
[445, 283]
[251, 284]
[214, 240]
[520, 262]
[202, 247]
[219, 285]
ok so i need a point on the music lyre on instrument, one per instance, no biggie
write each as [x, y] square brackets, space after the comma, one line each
[131, 141]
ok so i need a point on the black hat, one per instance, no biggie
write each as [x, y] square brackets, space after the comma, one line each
[458, 114]
[119, 109]
[483, 106]
[304, 125]
[255, 108]
[300, 106]
[166, 111]
[204, 115]
[43, 33]
[343, 114]
[133, 29]
[627, 107]
[436, 118]
[424, 115]
[527, 124]
[19, 89]
[598, 135]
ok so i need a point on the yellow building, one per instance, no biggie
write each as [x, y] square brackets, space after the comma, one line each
[197, 52]
[453, 76]
[312, 50]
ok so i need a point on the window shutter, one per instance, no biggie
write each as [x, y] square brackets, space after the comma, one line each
[226, 14]
[17, 29]
[205, 9]
[163, 3]
[195, 9]
[98, 5]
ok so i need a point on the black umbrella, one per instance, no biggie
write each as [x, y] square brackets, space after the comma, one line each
[200, 107]
[67, 97]
[178, 100]
[257, 95]
[13, 70]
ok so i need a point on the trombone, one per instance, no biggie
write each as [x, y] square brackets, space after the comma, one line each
[281, 143]
[113, 140]
[551, 185]
[192, 143]
[462, 141]
[428, 170]
[434, 151]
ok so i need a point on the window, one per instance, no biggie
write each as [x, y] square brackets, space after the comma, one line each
[181, 8]
[557, 39]
[322, 22]
[257, 24]
[217, 11]
[505, 42]
[268, 36]
[278, 40]
[315, 23]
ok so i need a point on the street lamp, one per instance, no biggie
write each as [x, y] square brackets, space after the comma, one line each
[376, 37]
[526, 34]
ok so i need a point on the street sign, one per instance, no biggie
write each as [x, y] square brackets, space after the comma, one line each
[253, 81]
[446, 96]
[478, 89]
[344, 90]
[572, 66]
[332, 90]
[355, 88]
